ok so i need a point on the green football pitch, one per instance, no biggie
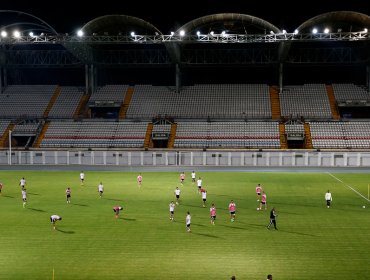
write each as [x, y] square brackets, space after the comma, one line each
[312, 242]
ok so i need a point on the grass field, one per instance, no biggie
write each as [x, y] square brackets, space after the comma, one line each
[312, 242]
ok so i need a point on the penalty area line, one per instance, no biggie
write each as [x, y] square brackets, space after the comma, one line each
[348, 186]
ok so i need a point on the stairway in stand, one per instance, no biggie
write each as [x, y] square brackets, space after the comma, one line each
[275, 103]
[333, 103]
[283, 140]
[307, 136]
[171, 139]
[148, 143]
[126, 103]
[4, 140]
[41, 135]
[53, 99]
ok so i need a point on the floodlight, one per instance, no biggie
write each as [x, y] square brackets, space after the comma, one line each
[182, 33]
[326, 30]
[314, 31]
[16, 34]
[132, 33]
[80, 33]
[198, 33]
[4, 33]
[296, 31]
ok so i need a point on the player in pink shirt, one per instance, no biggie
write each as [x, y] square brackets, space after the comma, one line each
[182, 178]
[258, 191]
[212, 211]
[232, 210]
[139, 180]
[263, 201]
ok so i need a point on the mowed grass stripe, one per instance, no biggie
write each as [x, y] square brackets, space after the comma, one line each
[312, 242]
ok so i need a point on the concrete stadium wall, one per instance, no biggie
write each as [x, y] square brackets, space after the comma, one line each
[189, 158]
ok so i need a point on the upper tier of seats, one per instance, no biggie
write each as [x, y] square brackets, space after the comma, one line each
[201, 101]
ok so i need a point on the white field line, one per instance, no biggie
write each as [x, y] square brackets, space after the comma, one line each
[348, 186]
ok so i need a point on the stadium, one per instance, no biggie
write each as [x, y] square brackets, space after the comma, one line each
[228, 96]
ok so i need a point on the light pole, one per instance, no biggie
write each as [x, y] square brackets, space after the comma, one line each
[10, 147]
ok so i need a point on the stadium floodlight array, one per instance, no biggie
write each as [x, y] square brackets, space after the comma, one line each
[182, 37]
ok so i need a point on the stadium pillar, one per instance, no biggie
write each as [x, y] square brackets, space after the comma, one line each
[178, 78]
[92, 78]
[87, 79]
[368, 77]
[1, 79]
[5, 76]
[280, 77]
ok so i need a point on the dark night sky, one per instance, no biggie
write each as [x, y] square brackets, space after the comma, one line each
[68, 16]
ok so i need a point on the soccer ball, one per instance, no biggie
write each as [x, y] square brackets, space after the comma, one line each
[258, 209]
[364, 206]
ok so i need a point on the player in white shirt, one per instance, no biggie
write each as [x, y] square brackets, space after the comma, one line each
[22, 183]
[24, 197]
[101, 189]
[193, 176]
[54, 218]
[68, 194]
[204, 196]
[172, 210]
[82, 178]
[328, 199]
[177, 194]
[199, 184]
[188, 221]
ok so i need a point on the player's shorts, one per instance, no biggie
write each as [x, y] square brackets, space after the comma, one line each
[258, 193]
[263, 203]
[213, 217]
[24, 199]
[204, 199]
[172, 212]
[68, 196]
[232, 213]
[101, 192]
[187, 225]
[177, 196]
[199, 187]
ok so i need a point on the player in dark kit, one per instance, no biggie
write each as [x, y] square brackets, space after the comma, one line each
[273, 215]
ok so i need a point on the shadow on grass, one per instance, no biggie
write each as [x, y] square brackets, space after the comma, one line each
[198, 225]
[34, 209]
[114, 199]
[294, 204]
[8, 196]
[290, 213]
[32, 193]
[78, 204]
[65, 231]
[205, 234]
[256, 225]
[298, 233]
[127, 219]
[233, 227]
[194, 206]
